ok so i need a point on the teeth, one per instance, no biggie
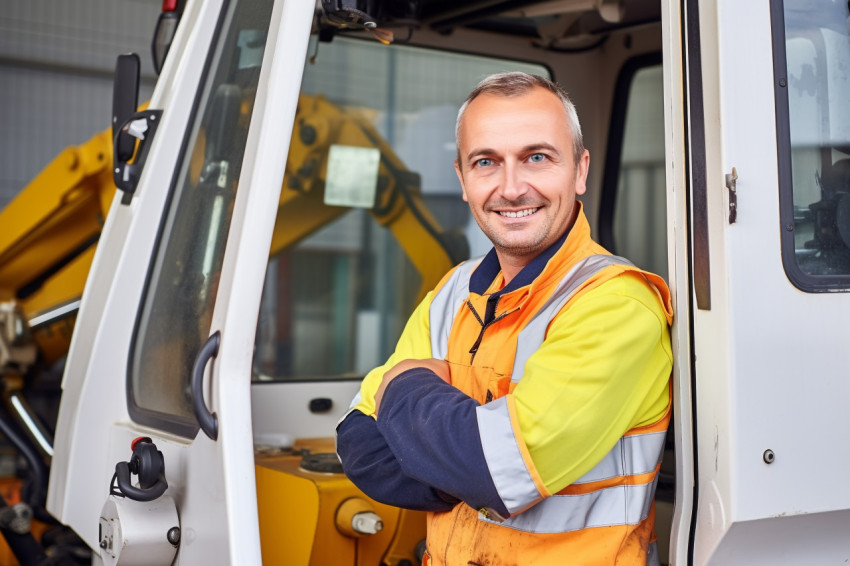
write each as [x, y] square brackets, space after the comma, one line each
[519, 213]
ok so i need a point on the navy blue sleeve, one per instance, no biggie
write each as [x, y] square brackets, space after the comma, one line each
[432, 429]
[369, 463]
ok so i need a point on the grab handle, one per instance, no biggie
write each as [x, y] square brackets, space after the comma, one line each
[208, 421]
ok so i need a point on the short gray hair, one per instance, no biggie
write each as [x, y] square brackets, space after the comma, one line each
[516, 83]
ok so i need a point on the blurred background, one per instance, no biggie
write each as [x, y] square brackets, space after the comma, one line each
[57, 59]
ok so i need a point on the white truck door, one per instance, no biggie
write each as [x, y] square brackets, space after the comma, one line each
[769, 254]
[176, 286]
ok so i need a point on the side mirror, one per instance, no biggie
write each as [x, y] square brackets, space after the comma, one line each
[128, 125]
[125, 101]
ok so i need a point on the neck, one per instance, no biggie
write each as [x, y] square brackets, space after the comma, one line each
[511, 265]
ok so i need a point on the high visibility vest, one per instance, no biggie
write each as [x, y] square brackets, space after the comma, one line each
[605, 517]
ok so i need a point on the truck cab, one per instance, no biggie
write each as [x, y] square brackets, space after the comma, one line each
[287, 197]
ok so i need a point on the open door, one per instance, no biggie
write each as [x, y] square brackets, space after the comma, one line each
[175, 291]
[768, 151]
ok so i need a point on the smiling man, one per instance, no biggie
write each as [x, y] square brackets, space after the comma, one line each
[526, 403]
[520, 169]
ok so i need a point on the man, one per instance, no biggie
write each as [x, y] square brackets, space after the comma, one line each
[526, 403]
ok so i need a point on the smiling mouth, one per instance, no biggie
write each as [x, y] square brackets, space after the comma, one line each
[518, 213]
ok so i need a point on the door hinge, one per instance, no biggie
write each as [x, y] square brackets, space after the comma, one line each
[732, 186]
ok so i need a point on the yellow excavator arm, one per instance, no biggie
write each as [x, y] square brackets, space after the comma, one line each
[398, 207]
[48, 239]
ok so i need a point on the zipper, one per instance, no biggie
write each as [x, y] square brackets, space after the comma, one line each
[489, 319]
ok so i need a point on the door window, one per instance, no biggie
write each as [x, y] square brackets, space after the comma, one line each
[371, 215]
[813, 124]
[175, 317]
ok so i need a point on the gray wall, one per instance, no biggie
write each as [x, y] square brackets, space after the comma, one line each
[56, 63]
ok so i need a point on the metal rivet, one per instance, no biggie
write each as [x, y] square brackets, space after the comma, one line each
[173, 535]
[782, 83]
[768, 456]
[789, 227]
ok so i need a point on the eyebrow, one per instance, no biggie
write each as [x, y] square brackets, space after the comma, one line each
[479, 151]
[541, 145]
[531, 147]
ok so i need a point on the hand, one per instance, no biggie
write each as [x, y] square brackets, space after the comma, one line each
[439, 367]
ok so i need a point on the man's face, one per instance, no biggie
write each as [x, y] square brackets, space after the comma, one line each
[518, 172]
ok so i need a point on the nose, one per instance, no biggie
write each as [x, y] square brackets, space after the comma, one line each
[514, 184]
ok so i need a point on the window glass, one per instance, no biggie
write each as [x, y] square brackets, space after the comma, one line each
[640, 209]
[371, 214]
[818, 90]
[175, 318]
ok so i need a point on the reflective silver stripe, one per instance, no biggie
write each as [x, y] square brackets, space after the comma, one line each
[354, 403]
[532, 336]
[632, 455]
[619, 505]
[445, 304]
[504, 459]
[652, 555]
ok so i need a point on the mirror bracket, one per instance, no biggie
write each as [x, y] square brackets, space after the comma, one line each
[142, 126]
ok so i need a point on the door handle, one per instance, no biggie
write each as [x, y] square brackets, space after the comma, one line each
[207, 420]
[321, 405]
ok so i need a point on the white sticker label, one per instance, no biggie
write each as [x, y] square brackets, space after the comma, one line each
[352, 178]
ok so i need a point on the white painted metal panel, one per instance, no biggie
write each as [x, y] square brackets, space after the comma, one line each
[790, 355]
[281, 408]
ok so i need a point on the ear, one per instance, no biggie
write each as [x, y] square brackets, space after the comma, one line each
[460, 178]
[581, 173]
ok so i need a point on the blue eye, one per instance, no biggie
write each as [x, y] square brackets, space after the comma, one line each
[484, 162]
[537, 158]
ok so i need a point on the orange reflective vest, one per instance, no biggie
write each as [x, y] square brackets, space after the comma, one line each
[607, 516]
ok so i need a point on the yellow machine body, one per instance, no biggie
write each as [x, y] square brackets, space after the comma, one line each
[300, 513]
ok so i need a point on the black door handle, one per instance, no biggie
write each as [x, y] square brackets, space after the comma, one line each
[208, 421]
[321, 405]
